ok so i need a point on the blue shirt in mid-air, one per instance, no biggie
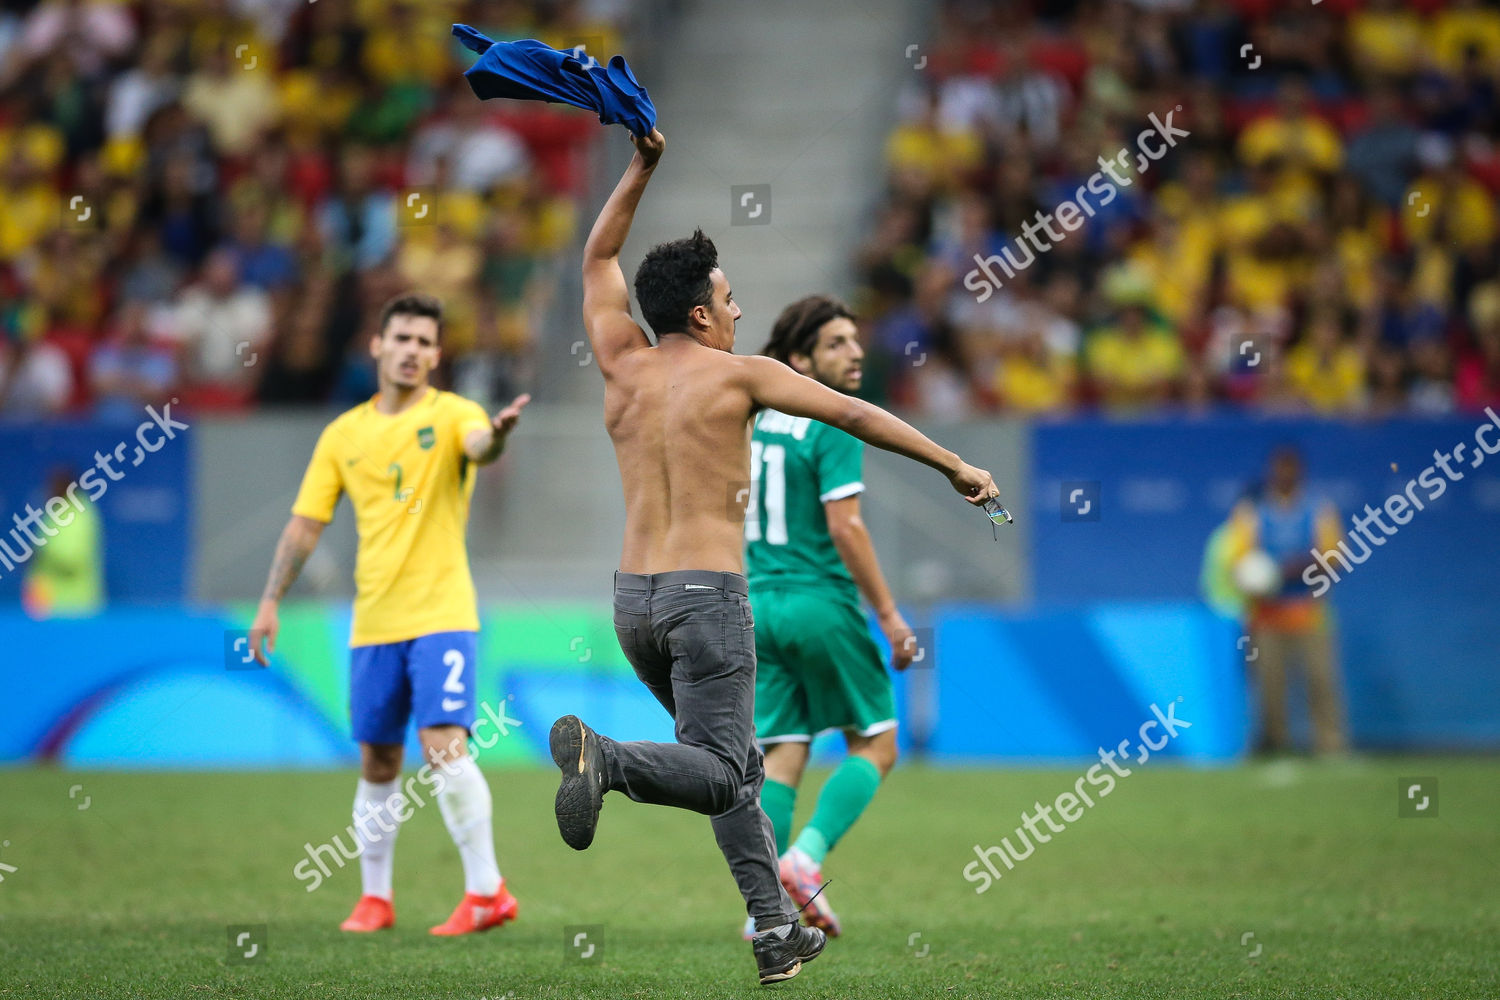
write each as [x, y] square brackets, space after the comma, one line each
[528, 70]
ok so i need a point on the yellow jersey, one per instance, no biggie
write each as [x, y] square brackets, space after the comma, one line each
[409, 482]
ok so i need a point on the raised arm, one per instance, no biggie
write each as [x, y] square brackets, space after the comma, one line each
[772, 384]
[298, 539]
[606, 299]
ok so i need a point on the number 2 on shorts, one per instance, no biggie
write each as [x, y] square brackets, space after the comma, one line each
[454, 661]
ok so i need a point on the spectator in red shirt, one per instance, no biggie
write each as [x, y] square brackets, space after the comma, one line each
[1478, 380]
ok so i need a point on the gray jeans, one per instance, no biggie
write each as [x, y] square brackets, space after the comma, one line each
[691, 639]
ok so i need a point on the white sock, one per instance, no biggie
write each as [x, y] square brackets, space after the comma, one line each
[375, 829]
[465, 803]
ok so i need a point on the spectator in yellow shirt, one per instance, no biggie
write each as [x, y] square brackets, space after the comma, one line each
[1136, 362]
[1034, 379]
[317, 102]
[1357, 231]
[921, 146]
[448, 265]
[1177, 258]
[1462, 24]
[1303, 142]
[236, 100]
[1386, 38]
[1444, 204]
[32, 206]
[406, 44]
[1247, 218]
[1326, 370]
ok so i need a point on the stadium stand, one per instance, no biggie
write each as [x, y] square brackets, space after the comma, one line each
[1325, 242]
[211, 198]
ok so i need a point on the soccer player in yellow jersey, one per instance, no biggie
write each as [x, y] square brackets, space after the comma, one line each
[406, 460]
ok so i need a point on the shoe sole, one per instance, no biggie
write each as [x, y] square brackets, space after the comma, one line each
[781, 977]
[796, 966]
[505, 918]
[577, 807]
[367, 930]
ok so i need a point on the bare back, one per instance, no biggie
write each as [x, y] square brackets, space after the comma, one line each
[678, 414]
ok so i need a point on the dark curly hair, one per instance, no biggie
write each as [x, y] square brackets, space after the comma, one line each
[673, 279]
[796, 329]
[412, 304]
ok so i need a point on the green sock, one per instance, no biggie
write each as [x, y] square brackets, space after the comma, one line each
[843, 798]
[779, 801]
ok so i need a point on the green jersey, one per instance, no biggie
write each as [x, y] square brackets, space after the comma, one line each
[67, 575]
[796, 465]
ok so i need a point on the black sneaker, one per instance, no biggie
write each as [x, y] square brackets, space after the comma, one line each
[781, 958]
[576, 752]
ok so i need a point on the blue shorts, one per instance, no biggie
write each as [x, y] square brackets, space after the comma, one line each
[429, 679]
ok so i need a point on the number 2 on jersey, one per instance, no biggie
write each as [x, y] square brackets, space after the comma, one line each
[774, 456]
[400, 495]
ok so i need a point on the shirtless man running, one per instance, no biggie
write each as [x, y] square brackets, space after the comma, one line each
[678, 413]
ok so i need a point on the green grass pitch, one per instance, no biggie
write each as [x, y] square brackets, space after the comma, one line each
[1282, 880]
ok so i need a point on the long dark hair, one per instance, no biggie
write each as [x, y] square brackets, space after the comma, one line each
[796, 329]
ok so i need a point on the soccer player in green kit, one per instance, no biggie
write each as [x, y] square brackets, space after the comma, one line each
[809, 557]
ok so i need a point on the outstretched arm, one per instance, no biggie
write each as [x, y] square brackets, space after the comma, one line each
[484, 446]
[774, 385]
[298, 539]
[606, 299]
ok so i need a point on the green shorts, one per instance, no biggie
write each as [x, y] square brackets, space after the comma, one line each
[816, 667]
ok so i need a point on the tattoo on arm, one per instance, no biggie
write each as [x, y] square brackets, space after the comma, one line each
[291, 552]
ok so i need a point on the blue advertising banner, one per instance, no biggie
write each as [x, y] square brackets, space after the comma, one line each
[1122, 511]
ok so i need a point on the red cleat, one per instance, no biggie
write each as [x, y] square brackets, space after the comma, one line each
[371, 913]
[802, 879]
[479, 913]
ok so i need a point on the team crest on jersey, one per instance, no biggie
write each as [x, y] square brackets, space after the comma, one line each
[425, 438]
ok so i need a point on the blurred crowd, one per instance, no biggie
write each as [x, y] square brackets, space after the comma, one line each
[210, 199]
[1325, 240]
